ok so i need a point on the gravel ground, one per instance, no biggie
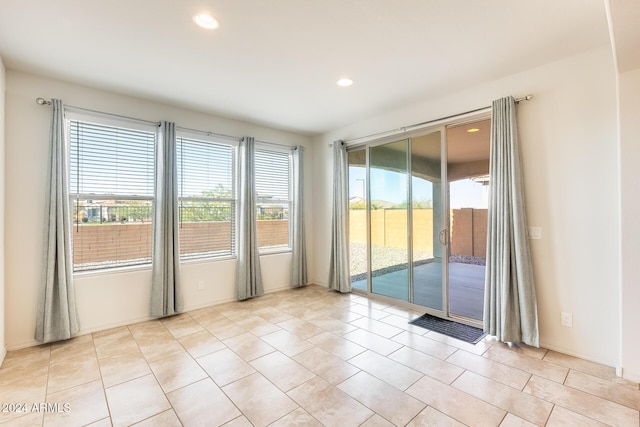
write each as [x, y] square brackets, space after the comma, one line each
[387, 260]
[466, 259]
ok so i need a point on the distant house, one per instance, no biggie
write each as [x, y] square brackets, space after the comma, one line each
[111, 211]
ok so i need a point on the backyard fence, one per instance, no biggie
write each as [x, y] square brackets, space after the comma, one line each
[389, 229]
[113, 242]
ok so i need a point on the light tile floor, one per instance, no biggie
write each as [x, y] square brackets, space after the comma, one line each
[304, 357]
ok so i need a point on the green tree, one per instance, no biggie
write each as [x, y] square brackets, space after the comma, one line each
[137, 210]
[202, 209]
[422, 203]
[357, 205]
[361, 204]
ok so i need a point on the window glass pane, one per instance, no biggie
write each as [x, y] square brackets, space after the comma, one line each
[111, 195]
[388, 174]
[111, 233]
[272, 225]
[111, 160]
[272, 177]
[358, 253]
[205, 169]
[206, 177]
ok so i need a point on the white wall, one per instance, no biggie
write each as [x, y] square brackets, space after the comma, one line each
[629, 105]
[3, 348]
[104, 300]
[568, 139]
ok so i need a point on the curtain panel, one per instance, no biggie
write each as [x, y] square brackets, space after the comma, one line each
[249, 276]
[57, 316]
[510, 308]
[166, 290]
[339, 279]
[299, 252]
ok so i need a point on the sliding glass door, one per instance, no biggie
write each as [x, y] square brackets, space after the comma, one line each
[428, 221]
[397, 219]
[417, 219]
[388, 214]
[468, 176]
[358, 224]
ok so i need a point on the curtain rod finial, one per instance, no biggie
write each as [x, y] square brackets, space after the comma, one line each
[42, 101]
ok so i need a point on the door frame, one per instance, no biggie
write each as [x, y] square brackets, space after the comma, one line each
[446, 226]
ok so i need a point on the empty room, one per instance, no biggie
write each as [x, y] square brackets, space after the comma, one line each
[338, 213]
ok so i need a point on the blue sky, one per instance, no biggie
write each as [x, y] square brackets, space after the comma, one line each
[392, 187]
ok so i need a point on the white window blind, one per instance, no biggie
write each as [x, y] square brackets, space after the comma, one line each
[206, 185]
[273, 198]
[111, 190]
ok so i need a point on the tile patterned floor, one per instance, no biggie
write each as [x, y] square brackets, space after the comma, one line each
[306, 357]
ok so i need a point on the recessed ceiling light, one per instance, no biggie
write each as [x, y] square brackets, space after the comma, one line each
[206, 21]
[473, 130]
[344, 82]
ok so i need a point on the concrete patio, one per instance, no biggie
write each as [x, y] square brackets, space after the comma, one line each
[466, 287]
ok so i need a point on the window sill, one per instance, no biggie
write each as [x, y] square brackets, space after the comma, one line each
[115, 270]
[274, 251]
[147, 267]
[207, 260]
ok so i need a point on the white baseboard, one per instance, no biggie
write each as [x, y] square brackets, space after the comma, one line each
[575, 354]
[628, 375]
[3, 354]
[277, 289]
[208, 304]
[106, 326]
[23, 344]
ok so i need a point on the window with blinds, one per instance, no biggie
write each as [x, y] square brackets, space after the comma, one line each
[273, 198]
[207, 198]
[111, 180]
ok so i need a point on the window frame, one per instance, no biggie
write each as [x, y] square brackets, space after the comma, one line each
[266, 147]
[219, 140]
[72, 115]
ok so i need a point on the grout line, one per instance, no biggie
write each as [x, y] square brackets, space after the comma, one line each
[104, 390]
[323, 300]
[553, 407]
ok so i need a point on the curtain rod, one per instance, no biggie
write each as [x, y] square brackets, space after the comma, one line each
[222, 135]
[42, 101]
[423, 124]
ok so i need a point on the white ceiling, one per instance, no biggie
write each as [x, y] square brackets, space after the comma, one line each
[276, 62]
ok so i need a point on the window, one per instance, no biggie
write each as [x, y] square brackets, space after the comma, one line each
[111, 190]
[206, 188]
[273, 198]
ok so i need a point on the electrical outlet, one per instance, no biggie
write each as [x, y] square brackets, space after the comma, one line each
[566, 319]
[535, 233]
[201, 285]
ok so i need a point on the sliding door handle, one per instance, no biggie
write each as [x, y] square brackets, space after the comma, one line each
[443, 237]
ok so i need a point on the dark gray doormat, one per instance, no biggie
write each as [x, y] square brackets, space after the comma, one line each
[447, 327]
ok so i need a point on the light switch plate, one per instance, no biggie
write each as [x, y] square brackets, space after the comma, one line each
[566, 319]
[535, 233]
